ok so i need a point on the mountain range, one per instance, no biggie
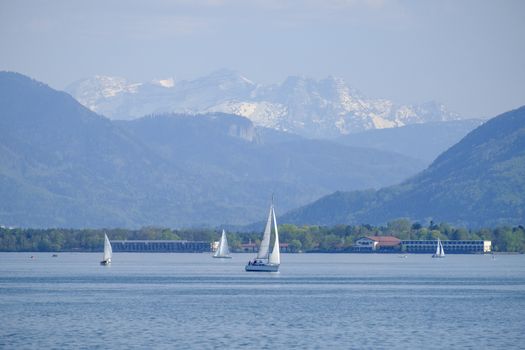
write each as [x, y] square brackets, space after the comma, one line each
[480, 181]
[61, 164]
[325, 108]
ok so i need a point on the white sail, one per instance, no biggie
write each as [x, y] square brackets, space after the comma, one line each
[441, 250]
[275, 257]
[223, 249]
[108, 252]
[265, 244]
[266, 262]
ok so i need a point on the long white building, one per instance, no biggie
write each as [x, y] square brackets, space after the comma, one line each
[161, 246]
[449, 246]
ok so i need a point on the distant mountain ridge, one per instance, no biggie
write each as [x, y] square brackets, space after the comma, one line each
[63, 165]
[420, 141]
[324, 108]
[480, 181]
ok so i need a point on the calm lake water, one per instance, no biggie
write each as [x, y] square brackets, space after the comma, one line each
[348, 301]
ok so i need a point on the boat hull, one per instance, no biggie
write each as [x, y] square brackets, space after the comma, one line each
[105, 262]
[222, 257]
[262, 268]
[437, 256]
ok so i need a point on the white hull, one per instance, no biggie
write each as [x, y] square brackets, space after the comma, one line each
[262, 268]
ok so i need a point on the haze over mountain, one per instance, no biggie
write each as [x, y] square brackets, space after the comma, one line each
[480, 181]
[63, 165]
[421, 141]
[324, 108]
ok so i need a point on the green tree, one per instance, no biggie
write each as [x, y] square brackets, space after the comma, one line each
[295, 245]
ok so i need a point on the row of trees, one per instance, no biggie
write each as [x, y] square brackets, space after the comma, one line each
[300, 238]
[342, 237]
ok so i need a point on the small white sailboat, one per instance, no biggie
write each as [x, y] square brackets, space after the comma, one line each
[223, 251]
[266, 261]
[108, 252]
[440, 253]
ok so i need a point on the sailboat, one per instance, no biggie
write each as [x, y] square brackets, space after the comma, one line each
[223, 251]
[440, 253]
[266, 261]
[108, 252]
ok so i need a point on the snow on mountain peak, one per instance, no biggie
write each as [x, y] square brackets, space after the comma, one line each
[112, 86]
[167, 83]
[91, 92]
[313, 108]
[248, 81]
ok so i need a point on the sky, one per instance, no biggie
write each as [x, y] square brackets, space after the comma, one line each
[469, 55]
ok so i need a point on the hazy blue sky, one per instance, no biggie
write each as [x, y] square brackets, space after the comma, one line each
[468, 54]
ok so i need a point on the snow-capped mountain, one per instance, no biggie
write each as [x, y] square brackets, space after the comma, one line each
[312, 108]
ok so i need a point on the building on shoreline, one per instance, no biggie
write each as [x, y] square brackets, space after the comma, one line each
[161, 246]
[377, 244]
[390, 244]
[450, 246]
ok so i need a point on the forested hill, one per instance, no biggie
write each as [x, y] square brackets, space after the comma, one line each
[63, 165]
[479, 181]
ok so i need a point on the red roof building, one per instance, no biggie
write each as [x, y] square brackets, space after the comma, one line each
[373, 243]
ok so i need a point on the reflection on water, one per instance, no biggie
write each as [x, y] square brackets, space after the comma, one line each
[316, 301]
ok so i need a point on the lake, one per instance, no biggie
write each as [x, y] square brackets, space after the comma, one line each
[347, 301]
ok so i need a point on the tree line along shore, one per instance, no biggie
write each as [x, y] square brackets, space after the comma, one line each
[308, 238]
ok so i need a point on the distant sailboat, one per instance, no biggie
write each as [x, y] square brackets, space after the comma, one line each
[266, 261]
[440, 253]
[223, 251]
[108, 252]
